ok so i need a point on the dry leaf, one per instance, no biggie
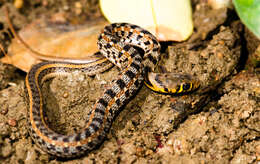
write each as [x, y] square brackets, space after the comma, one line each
[56, 40]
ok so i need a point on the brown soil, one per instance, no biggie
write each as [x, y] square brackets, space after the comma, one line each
[218, 123]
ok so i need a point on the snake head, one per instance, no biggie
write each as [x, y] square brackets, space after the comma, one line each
[171, 83]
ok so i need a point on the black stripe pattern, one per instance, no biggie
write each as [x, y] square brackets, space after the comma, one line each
[116, 43]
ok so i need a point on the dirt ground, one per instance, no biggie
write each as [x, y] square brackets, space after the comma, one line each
[218, 123]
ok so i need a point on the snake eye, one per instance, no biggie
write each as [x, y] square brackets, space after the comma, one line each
[186, 86]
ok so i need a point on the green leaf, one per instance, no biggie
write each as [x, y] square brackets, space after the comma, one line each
[249, 13]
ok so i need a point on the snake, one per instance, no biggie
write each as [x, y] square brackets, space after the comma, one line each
[135, 51]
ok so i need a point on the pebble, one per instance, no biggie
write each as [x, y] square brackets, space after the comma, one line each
[4, 110]
[12, 122]
[65, 95]
[140, 151]
[4, 129]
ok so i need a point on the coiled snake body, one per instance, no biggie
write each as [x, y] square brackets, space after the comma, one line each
[116, 43]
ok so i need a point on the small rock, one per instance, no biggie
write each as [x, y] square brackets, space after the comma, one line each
[4, 110]
[4, 129]
[65, 95]
[140, 151]
[12, 122]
